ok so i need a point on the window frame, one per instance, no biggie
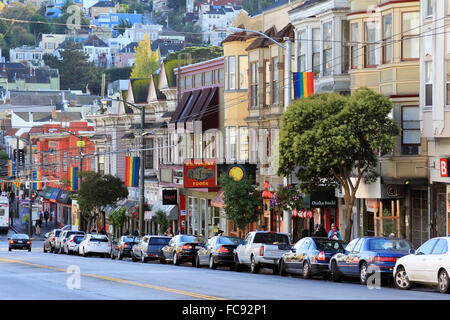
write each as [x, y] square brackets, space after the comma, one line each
[410, 36]
[354, 48]
[402, 108]
[384, 37]
[368, 45]
[243, 74]
[231, 73]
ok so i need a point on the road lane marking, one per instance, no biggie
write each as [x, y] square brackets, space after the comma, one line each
[118, 280]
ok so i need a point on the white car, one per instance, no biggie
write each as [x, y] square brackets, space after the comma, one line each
[429, 265]
[95, 244]
[72, 242]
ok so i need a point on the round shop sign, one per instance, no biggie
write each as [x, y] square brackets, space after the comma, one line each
[237, 173]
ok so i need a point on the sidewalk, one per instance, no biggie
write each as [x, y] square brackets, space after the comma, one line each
[23, 228]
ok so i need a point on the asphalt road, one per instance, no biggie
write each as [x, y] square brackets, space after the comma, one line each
[36, 275]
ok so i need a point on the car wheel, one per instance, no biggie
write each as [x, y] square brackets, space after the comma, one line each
[51, 249]
[162, 258]
[282, 269]
[237, 265]
[176, 261]
[335, 276]
[9, 249]
[401, 279]
[275, 269]
[363, 274]
[443, 281]
[112, 255]
[212, 264]
[133, 257]
[29, 250]
[254, 267]
[119, 256]
[84, 254]
[143, 258]
[45, 250]
[306, 270]
[197, 262]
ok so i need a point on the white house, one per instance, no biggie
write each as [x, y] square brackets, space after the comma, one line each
[31, 55]
[98, 51]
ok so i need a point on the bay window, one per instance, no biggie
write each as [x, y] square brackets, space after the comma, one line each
[370, 49]
[354, 45]
[410, 130]
[243, 143]
[302, 51]
[410, 35]
[327, 48]
[316, 51]
[243, 72]
[231, 73]
[254, 79]
[387, 38]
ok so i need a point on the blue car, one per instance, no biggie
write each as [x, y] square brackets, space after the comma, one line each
[363, 255]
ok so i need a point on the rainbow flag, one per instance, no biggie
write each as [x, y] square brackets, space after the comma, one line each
[11, 168]
[131, 171]
[73, 178]
[303, 84]
[37, 176]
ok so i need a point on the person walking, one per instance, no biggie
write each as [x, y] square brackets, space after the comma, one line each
[46, 216]
[334, 233]
[38, 225]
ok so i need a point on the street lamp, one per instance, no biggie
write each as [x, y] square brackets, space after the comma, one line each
[287, 89]
[104, 101]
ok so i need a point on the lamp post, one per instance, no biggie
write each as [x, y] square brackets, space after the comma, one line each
[287, 91]
[104, 101]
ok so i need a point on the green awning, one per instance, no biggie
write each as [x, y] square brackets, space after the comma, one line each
[48, 193]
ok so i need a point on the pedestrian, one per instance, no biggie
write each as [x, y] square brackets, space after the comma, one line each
[169, 232]
[219, 233]
[46, 216]
[334, 233]
[38, 226]
[136, 233]
[319, 231]
[262, 228]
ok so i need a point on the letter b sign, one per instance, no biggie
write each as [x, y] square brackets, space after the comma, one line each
[444, 167]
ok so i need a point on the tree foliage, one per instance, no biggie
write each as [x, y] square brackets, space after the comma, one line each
[242, 201]
[146, 61]
[118, 218]
[96, 191]
[162, 221]
[332, 140]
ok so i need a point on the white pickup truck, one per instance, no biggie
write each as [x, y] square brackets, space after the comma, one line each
[261, 249]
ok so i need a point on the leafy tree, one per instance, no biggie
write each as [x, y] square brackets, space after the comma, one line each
[37, 29]
[332, 140]
[124, 24]
[146, 61]
[162, 221]
[118, 219]
[96, 191]
[242, 201]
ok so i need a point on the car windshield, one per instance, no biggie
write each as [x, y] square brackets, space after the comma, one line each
[230, 240]
[161, 241]
[130, 239]
[57, 232]
[68, 234]
[324, 244]
[20, 237]
[271, 238]
[192, 239]
[389, 244]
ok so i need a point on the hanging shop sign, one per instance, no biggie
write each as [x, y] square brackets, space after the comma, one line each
[238, 171]
[169, 197]
[199, 174]
[443, 167]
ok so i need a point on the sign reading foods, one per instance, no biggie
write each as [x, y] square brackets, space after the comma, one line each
[199, 174]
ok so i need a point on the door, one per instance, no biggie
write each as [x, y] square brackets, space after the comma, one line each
[290, 258]
[244, 249]
[419, 217]
[301, 255]
[343, 259]
[437, 259]
[355, 258]
[420, 269]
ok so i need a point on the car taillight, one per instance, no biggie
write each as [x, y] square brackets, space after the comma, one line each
[28, 242]
[223, 250]
[385, 259]
[125, 245]
[11, 242]
[186, 247]
[261, 250]
[321, 256]
[53, 239]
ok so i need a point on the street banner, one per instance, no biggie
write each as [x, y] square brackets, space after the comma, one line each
[37, 176]
[11, 168]
[73, 178]
[132, 171]
[303, 84]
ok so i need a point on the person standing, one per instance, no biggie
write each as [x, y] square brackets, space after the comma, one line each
[334, 233]
[38, 225]
[46, 216]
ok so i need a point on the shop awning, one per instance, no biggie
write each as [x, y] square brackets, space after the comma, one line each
[47, 193]
[170, 210]
[405, 181]
[64, 197]
[217, 201]
[130, 204]
[54, 195]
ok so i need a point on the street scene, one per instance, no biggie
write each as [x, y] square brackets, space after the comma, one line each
[244, 150]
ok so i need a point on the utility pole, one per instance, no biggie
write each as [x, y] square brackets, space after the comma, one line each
[30, 174]
[141, 175]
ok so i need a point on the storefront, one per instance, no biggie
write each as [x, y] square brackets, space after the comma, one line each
[54, 212]
[65, 207]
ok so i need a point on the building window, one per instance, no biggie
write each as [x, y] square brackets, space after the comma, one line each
[189, 82]
[198, 80]
[448, 83]
[370, 50]
[410, 130]
[254, 78]
[232, 143]
[302, 51]
[208, 78]
[275, 80]
[345, 65]
[148, 163]
[231, 73]
[243, 143]
[429, 7]
[101, 160]
[316, 51]
[267, 82]
[428, 83]
[221, 76]
[354, 46]
[243, 72]
[327, 49]
[387, 38]
[411, 35]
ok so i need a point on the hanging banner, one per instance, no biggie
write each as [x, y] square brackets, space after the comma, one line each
[73, 178]
[37, 176]
[303, 84]
[11, 168]
[132, 171]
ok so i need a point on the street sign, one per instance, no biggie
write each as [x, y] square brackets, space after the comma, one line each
[81, 144]
[444, 167]
[17, 183]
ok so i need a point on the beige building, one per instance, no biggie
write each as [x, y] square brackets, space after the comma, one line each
[384, 56]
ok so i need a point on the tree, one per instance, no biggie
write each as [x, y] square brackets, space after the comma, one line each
[124, 24]
[118, 218]
[145, 62]
[97, 191]
[242, 201]
[331, 140]
[162, 221]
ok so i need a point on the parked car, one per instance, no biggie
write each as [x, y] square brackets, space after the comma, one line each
[49, 243]
[72, 242]
[310, 256]
[61, 240]
[149, 248]
[122, 247]
[379, 253]
[219, 250]
[182, 248]
[429, 265]
[19, 241]
[94, 244]
[261, 249]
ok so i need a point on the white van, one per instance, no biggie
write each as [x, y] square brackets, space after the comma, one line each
[4, 214]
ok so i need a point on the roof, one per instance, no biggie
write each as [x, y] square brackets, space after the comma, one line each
[47, 116]
[95, 42]
[262, 42]
[105, 4]
[239, 36]
[131, 47]
[306, 4]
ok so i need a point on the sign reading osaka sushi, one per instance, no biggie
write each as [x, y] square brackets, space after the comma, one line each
[199, 174]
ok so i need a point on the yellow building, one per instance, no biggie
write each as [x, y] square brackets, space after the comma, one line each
[384, 56]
